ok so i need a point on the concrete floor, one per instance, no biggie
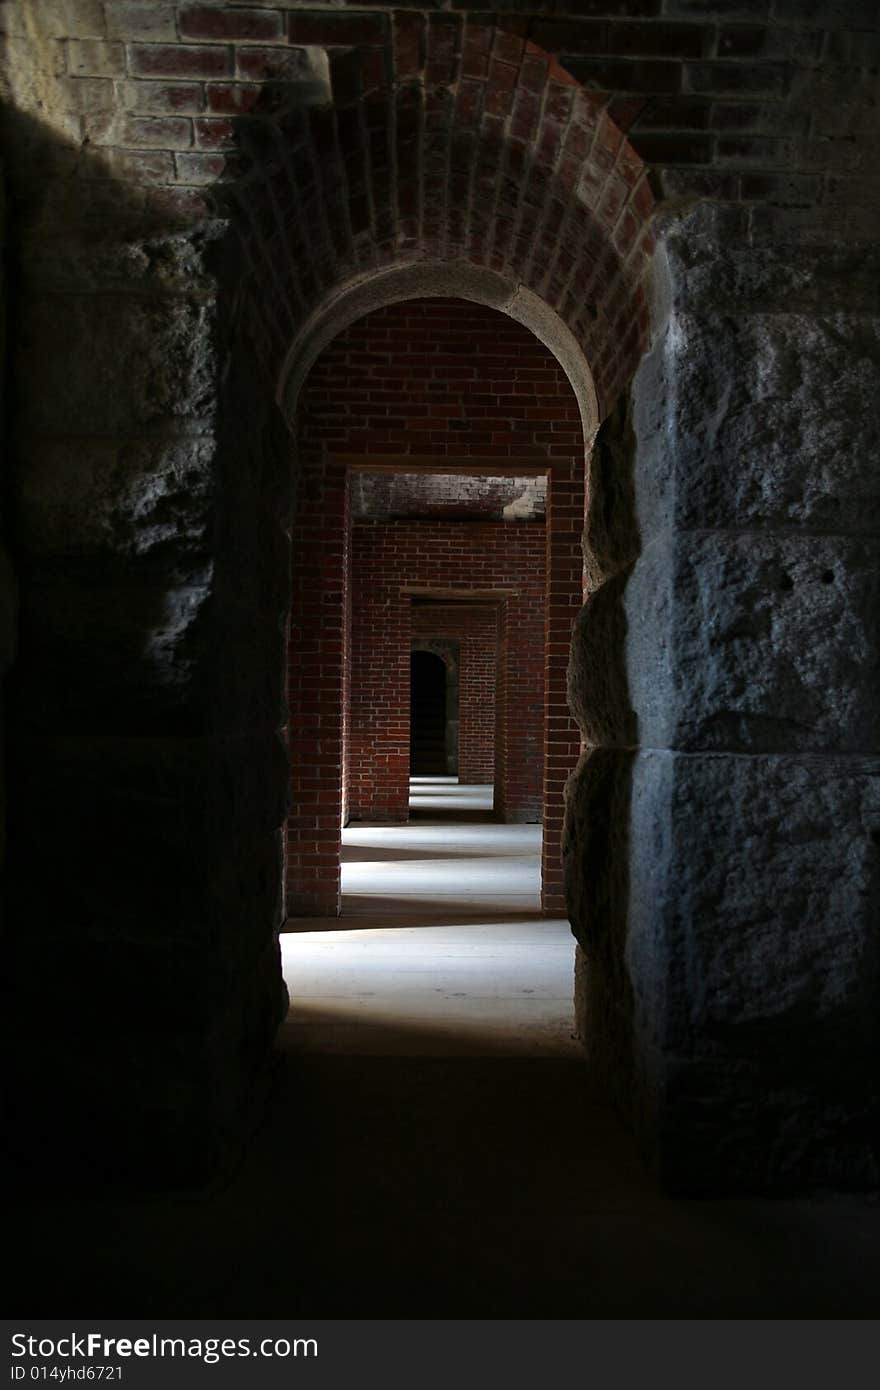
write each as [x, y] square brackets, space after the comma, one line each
[443, 949]
[434, 1145]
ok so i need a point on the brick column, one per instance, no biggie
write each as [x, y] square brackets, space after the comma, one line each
[379, 733]
[501, 682]
[521, 670]
[476, 698]
[562, 742]
[316, 690]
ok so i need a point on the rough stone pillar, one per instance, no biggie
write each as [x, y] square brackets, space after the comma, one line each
[151, 486]
[722, 841]
[8, 597]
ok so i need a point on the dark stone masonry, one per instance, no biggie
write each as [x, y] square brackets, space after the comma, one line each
[680, 199]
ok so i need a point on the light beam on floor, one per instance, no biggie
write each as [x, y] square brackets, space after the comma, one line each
[446, 949]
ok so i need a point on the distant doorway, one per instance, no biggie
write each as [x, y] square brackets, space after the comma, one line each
[433, 748]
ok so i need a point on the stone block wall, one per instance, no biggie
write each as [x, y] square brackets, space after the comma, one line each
[8, 590]
[148, 492]
[729, 976]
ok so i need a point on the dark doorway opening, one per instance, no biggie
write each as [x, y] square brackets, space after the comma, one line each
[429, 751]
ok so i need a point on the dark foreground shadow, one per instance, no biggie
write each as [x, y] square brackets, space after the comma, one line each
[409, 1185]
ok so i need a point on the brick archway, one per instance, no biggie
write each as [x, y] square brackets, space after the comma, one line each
[532, 575]
[437, 143]
[488, 174]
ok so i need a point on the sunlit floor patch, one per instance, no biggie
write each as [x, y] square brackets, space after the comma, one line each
[446, 793]
[474, 989]
[447, 951]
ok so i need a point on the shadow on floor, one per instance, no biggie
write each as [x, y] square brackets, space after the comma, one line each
[450, 814]
[361, 910]
[421, 1186]
[382, 854]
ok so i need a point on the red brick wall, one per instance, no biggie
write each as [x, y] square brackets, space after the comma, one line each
[476, 631]
[389, 557]
[317, 687]
[440, 378]
[476, 702]
[562, 741]
[424, 382]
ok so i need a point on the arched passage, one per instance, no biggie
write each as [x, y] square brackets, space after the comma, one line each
[374, 404]
[482, 171]
[488, 174]
[486, 158]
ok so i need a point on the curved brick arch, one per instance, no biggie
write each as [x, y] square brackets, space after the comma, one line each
[439, 647]
[362, 295]
[537, 570]
[486, 153]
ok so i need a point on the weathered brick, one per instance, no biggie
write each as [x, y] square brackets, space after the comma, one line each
[753, 149]
[840, 154]
[159, 132]
[409, 44]
[756, 118]
[230, 23]
[443, 44]
[200, 168]
[273, 64]
[758, 41]
[788, 190]
[95, 58]
[81, 19]
[844, 191]
[90, 94]
[855, 49]
[737, 79]
[147, 22]
[327, 29]
[569, 35]
[719, 9]
[234, 98]
[142, 166]
[674, 148]
[771, 223]
[508, 43]
[624, 75]
[180, 60]
[659, 40]
[181, 204]
[674, 113]
[591, 9]
[702, 183]
[828, 14]
[217, 133]
[164, 98]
